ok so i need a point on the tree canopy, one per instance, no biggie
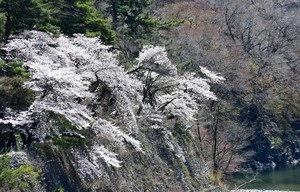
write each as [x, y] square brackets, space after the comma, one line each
[69, 17]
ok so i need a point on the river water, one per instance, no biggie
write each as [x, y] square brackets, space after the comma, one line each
[283, 179]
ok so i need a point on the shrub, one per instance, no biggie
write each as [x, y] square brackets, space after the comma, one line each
[22, 177]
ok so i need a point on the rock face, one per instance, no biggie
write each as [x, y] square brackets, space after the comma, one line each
[159, 168]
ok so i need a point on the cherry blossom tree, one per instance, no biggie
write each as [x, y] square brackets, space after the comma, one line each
[62, 72]
[164, 89]
[80, 80]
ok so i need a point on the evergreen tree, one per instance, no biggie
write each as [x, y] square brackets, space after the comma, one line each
[70, 17]
[24, 14]
[80, 16]
[133, 15]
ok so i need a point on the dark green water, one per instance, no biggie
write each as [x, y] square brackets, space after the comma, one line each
[287, 179]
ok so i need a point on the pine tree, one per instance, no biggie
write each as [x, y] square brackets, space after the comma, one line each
[133, 15]
[24, 14]
[80, 16]
[70, 17]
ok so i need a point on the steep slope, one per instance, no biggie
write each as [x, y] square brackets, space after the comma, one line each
[95, 127]
[255, 45]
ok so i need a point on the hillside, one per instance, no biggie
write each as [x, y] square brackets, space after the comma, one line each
[73, 119]
[254, 45]
[146, 96]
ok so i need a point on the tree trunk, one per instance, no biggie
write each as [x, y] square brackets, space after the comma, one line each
[114, 15]
[12, 143]
[2, 142]
[215, 140]
[199, 135]
[215, 164]
[8, 24]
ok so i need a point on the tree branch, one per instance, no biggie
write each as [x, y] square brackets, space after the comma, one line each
[245, 183]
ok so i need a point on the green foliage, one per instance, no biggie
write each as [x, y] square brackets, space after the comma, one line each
[58, 189]
[94, 24]
[13, 69]
[22, 177]
[277, 142]
[4, 162]
[70, 17]
[47, 20]
[67, 142]
[12, 92]
[70, 136]
[25, 14]
[128, 12]
[182, 135]
[217, 178]
[61, 122]
[134, 18]
[14, 95]
[80, 16]
[183, 66]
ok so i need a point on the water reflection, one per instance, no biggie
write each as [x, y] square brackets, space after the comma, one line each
[278, 179]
